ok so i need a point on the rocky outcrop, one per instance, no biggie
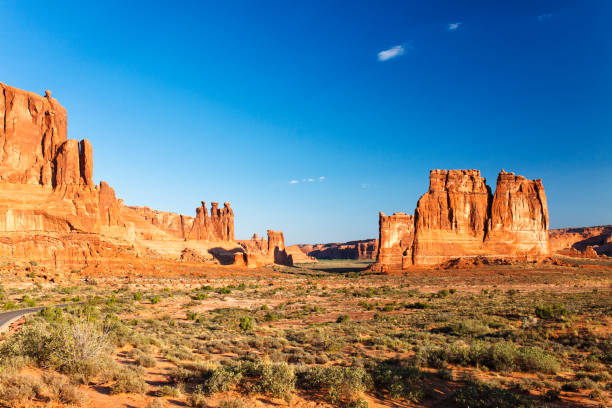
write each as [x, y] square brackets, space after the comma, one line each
[258, 251]
[396, 238]
[363, 249]
[458, 217]
[219, 226]
[451, 217]
[582, 242]
[518, 224]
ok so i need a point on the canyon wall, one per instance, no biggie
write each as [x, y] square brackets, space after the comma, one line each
[363, 249]
[587, 242]
[51, 212]
[459, 217]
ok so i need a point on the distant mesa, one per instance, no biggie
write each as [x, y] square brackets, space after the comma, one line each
[460, 218]
[51, 211]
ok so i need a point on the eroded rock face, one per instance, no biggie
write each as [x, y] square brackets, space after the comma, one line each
[51, 211]
[396, 241]
[582, 242]
[518, 224]
[32, 128]
[219, 226]
[363, 249]
[459, 217]
[451, 217]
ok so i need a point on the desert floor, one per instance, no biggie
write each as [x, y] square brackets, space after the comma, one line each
[322, 335]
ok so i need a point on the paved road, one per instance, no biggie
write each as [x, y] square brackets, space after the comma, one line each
[7, 318]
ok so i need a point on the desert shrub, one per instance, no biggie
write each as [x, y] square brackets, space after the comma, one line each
[197, 399]
[222, 379]
[79, 348]
[399, 381]
[28, 301]
[470, 327]
[199, 296]
[503, 356]
[536, 360]
[418, 305]
[60, 388]
[137, 296]
[275, 379]
[16, 390]
[52, 314]
[129, 379]
[146, 360]
[232, 403]
[478, 395]
[10, 306]
[226, 290]
[442, 293]
[168, 391]
[155, 299]
[551, 312]
[246, 323]
[343, 318]
[156, 403]
[343, 384]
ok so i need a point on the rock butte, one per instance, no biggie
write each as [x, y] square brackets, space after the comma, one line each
[459, 218]
[51, 212]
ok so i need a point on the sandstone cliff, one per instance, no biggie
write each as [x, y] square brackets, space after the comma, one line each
[51, 211]
[582, 242]
[459, 217]
[363, 249]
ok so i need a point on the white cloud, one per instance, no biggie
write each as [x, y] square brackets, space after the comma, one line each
[293, 182]
[453, 26]
[544, 17]
[392, 52]
[321, 178]
[310, 180]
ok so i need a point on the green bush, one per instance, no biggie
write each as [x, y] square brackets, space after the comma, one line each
[246, 323]
[343, 384]
[276, 380]
[155, 299]
[137, 296]
[343, 318]
[222, 379]
[478, 395]
[551, 312]
[129, 379]
[399, 381]
[536, 360]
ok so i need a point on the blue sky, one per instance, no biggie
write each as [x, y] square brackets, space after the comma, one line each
[232, 101]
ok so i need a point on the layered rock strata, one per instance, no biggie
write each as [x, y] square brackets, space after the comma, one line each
[363, 249]
[52, 212]
[459, 217]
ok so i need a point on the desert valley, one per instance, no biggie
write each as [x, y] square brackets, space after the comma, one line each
[470, 301]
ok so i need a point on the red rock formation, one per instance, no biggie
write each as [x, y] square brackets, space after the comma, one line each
[459, 218]
[110, 208]
[518, 225]
[47, 196]
[396, 241]
[218, 227]
[86, 162]
[364, 249]
[576, 241]
[276, 248]
[173, 224]
[451, 216]
[32, 128]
